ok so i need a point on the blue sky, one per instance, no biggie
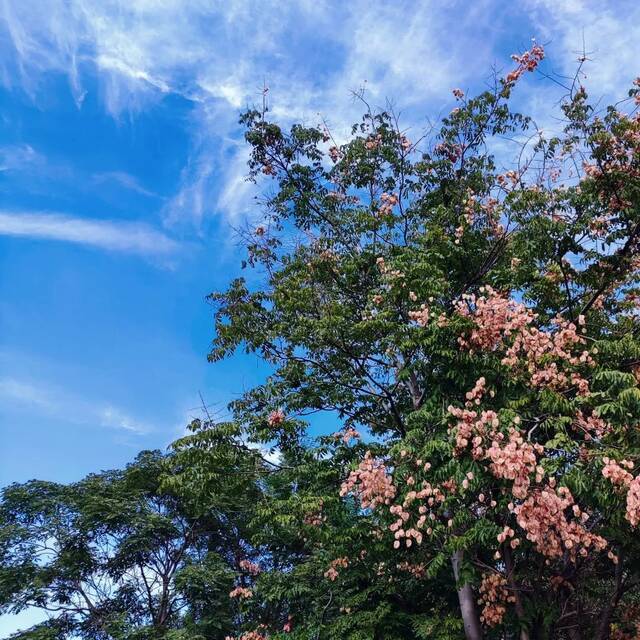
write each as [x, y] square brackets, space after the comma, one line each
[122, 177]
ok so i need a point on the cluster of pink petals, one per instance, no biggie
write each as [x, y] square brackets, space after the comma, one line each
[241, 592]
[494, 597]
[332, 572]
[592, 425]
[347, 435]
[476, 394]
[495, 317]
[250, 567]
[408, 535]
[335, 153]
[543, 516]
[373, 141]
[449, 150]
[370, 483]
[405, 143]
[469, 214]
[500, 322]
[618, 475]
[528, 61]
[387, 202]
[473, 427]
[275, 418]
[633, 502]
[315, 518]
[616, 472]
[516, 461]
[418, 570]
[421, 316]
[432, 496]
[248, 635]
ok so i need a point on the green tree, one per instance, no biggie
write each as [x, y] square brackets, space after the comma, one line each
[115, 555]
[482, 327]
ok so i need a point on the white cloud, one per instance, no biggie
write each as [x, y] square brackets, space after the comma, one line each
[311, 54]
[26, 393]
[125, 180]
[129, 237]
[115, 418]
[20, 157]
[52, 401]
[606, 31]
[218, 55]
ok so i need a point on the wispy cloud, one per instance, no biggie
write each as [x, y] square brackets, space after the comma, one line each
[20, 157]
[51, 401]
[124, 180]
[311, 53]
[129, 237]
[605, 30]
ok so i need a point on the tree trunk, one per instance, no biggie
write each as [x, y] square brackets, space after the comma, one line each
[508, 563]
[604, 627]
[472, 629]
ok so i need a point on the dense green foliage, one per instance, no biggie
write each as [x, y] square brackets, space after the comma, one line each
[115, 556]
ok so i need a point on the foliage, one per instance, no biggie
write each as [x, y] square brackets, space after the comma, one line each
[113, 556]
[482, 327]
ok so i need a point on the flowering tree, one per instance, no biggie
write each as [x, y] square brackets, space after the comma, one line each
[482, 326]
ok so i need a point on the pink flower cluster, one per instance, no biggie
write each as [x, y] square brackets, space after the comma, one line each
[469, 215]
[335, 153]
[619, 476]
[495, 318]
[544, 519]
[250, 567]
[387, 202]
[275, 418]
[502, 322]
[449, 150]
[472, 428]
[370, 483]
[241, 593]
[616, 472]
[408, 535]
[373, 142]
[332, 572]
[421, 316]
[347, 435]
[405, 143]
[515, 461]
[592, 426]
[315, 518]
[416, 570]
[432, 495]
[248, 635]
[494, 597]
[528, 61]
[476, 394]
[633, 502]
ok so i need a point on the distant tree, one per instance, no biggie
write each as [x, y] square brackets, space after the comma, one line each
[115, 556]
[482, 325]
